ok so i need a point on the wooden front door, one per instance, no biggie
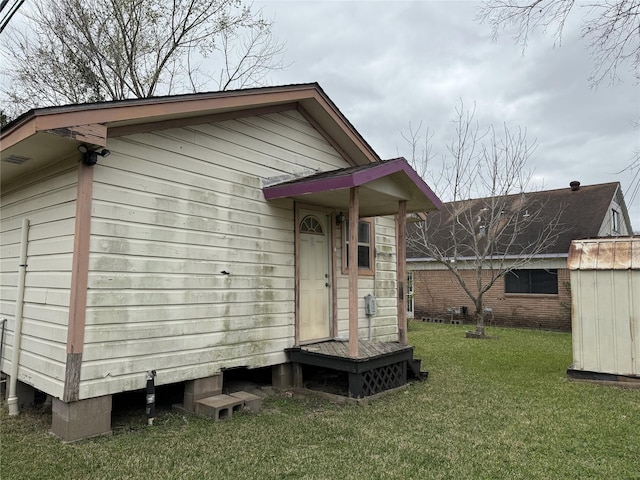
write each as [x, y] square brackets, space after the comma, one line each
[315, 276]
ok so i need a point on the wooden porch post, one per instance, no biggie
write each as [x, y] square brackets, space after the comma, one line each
[79, 281]
[401, 256]
[354, 217]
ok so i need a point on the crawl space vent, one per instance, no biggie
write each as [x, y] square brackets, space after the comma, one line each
[15, 159]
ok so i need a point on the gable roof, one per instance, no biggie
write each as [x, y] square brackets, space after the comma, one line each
[584, 211]
[383, 184]
[45, 134]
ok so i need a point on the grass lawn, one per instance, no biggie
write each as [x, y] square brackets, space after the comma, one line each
[490, 409]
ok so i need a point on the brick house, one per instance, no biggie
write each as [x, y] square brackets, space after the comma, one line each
[534, 295]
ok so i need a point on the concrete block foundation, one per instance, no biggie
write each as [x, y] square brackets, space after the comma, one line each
[286, 375]
[82, 419]
[195, 390]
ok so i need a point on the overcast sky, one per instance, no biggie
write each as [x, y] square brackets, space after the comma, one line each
[390, 64]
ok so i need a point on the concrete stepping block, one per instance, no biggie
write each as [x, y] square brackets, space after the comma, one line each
[219, 407]
[251, 402]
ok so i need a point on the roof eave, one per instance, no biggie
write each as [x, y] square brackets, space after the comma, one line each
[23, 136]
[348, 179]
[115, 113]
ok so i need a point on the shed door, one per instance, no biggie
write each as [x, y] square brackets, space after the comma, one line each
[315, 277]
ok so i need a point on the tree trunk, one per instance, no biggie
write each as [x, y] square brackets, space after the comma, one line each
[480, 324]
[479, 314]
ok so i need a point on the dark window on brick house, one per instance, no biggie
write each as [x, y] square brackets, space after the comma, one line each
[532, 281]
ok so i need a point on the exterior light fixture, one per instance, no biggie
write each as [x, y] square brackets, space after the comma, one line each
[90, 157]
[340, 219]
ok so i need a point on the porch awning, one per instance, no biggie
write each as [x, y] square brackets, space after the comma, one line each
[382, 186]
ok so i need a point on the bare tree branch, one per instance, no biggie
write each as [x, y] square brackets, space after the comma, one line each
[94, 50]
[489, 225]
[421, 149]
[610, 28]
[248, 59]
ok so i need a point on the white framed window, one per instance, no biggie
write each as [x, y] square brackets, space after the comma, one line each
[366, 248]
[615, 220]
[409, 287]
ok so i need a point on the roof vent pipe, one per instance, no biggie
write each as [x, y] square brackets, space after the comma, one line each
[575, 186]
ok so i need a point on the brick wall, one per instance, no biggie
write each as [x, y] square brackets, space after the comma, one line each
[437, 290]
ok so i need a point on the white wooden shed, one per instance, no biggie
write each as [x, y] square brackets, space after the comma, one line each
[192, 234]
[605, 291]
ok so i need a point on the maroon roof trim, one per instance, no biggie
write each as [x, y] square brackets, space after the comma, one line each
[347, 178]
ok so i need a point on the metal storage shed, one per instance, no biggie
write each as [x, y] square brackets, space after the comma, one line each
[605, 291]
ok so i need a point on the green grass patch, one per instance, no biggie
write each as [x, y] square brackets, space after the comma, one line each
[499, 408]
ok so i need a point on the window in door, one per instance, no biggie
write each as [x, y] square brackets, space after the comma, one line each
[312, 225]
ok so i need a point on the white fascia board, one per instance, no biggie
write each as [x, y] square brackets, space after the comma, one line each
[498, 257]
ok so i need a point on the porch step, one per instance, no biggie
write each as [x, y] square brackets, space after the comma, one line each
[414, 371]
[221, 407]
[251, 402]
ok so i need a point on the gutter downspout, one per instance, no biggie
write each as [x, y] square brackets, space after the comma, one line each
[17, 331]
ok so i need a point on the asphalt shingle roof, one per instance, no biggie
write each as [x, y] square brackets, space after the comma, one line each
[583, 212]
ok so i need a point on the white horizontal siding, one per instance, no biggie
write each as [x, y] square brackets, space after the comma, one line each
[606, 229]
[191, 270]
[150, 281]
[152, 313]
[154, 264]
[47, 199]
[192, 364]
[138, 297]
[218, 246]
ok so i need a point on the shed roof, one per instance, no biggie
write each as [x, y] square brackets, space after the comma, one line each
[383, 185]
[609, 253]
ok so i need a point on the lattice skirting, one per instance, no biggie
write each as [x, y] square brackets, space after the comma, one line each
[377, 380]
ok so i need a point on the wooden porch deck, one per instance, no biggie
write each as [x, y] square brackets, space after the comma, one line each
[379, 366]
[367, 349]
